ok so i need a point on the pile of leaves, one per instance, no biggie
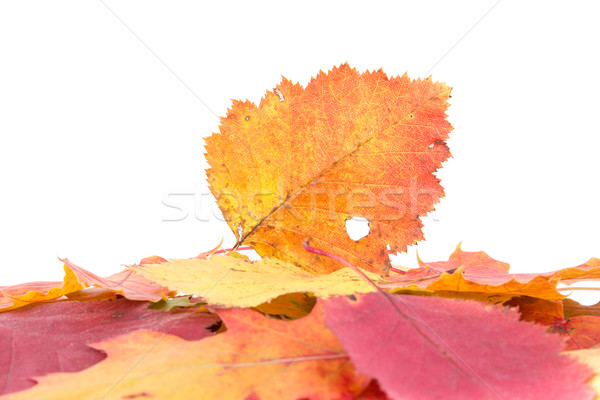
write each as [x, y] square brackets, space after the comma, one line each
[320, 315]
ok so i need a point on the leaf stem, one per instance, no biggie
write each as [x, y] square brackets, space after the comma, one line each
[232, 249]
[340, 259]
[398, 271]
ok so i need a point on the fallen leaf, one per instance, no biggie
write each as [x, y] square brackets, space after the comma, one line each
[234, 282]
[126, 283]
[54, 337]
[582, 332]
[289, 306]
[587, 271]
[92, 294]
[450, 349]
[466, 259]
[590, 357]
[175, 302]
[477, 276]
[256, 358]
[574, 309]
[544, 312]
[581, 327]
[12, 297]
[306, 160]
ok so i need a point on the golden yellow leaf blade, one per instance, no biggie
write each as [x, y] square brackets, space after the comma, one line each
[234, 282]
[23, 295]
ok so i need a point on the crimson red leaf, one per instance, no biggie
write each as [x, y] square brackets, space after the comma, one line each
[432, 348]
[53, 337]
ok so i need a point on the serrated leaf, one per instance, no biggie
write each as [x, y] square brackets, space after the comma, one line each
[306, 160]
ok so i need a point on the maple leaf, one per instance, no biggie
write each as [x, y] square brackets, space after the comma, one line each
[582, 332]
[579, 324]
[572, 309]
[126, 283]
[444, 348]
[306, 160]
[257, 357]
[477, 276]
[234, 282]
[53, 337]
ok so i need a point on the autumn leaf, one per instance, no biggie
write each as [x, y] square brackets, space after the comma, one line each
[582, 332]
[126, 283]
[572, 309]
[580, 325]
[590, 357]
[288, 306]
[234, 282]
[544, 312]
[467, 259]
[54, 337]
[257, 357]
[12, 297]
[306, 160]
[444, 348]
[175, 303]
[475, 275]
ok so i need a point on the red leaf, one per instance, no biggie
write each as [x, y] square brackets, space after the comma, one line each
[431, 348]
[127, 283]
[467, 259]
[53, 337]
[583, 331]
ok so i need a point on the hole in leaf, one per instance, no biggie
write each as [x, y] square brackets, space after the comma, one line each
[357, 228]
[247, 118]
[215, 327]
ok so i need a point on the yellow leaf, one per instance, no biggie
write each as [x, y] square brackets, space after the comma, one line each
[234, 282]
[28, 293]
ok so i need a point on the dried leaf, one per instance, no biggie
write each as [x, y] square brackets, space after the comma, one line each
[451, 349]
[126, 283]
[257, 357]
[53, 337]
[289, 306]
[234, 282]
[175, 302]
[582, 332]
[12, 297]
[590, 357]
[306, 160]
[478, 276]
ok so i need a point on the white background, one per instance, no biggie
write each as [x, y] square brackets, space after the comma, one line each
[97, 133]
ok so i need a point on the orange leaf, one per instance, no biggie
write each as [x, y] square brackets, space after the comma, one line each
[478, 276]
[127, 283]
[257, 357]
[306, 160]
[583, 332]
